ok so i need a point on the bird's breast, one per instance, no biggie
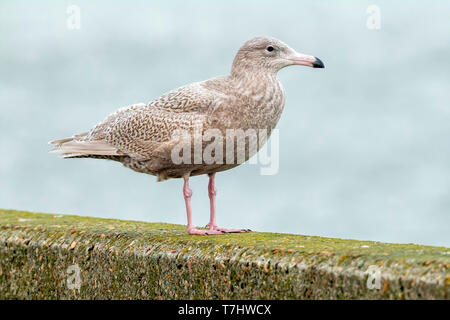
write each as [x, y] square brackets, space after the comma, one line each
[255, 103]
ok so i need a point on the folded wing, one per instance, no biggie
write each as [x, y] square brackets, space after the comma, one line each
[142, 130]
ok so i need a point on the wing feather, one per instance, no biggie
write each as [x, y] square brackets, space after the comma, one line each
[142, 131]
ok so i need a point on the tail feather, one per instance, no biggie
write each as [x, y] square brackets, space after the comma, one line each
[74, 147]
[76, 136]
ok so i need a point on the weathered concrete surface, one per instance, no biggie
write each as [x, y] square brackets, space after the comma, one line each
[41, 254]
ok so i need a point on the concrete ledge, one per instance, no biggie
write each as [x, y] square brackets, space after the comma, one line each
[46, 256]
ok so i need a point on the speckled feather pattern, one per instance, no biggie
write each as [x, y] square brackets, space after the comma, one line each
[141, 135]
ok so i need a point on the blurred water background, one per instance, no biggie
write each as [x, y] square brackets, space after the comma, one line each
[364, 143]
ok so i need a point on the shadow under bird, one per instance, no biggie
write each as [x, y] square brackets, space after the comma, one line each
[141, 136]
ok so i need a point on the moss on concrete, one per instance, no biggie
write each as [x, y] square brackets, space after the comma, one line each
[136, 260]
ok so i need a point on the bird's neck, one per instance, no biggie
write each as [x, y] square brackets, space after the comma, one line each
[253, 81]
[262, 95]
[257, 86]
[243, 70]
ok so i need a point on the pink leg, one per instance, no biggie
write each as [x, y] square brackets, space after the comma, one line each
[212, 191]
[187, 193]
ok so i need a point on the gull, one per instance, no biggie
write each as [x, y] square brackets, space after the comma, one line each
[145, 137]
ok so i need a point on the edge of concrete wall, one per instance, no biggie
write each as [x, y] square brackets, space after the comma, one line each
[51, 256]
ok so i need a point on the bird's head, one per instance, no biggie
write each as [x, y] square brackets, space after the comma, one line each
[265, 54]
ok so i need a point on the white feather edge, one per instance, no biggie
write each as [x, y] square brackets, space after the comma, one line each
[69, 147]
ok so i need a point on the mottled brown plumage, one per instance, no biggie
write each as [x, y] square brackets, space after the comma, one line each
[141, 136]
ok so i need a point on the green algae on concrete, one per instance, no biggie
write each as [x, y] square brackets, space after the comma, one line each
[51, 256]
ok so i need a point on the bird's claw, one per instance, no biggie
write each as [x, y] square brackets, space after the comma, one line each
[225, 230]
[202, 232]
[215, 230]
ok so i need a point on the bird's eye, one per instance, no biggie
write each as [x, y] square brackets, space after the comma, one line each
[270, 48]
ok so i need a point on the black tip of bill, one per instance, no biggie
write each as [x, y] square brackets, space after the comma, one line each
[318, 63]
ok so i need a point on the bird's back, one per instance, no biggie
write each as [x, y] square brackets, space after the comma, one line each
[141, 136]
